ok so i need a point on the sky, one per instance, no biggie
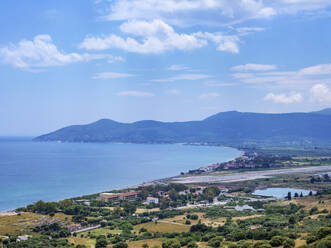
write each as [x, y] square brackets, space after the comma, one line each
[74, 62]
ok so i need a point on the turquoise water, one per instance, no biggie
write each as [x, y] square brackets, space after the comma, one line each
[281, 192]
[32, 171]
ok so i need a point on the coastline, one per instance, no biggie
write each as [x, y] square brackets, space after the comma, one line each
[143, 183]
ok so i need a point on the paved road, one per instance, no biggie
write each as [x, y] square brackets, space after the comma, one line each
[251, 175]
[86, 229]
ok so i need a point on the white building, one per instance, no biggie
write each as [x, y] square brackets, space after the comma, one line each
[152, 200]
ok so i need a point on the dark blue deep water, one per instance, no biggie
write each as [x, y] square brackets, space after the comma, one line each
[32, 171]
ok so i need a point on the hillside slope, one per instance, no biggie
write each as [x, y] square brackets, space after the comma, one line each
[226, 128]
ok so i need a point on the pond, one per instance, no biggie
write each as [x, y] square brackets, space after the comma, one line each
[281, 192]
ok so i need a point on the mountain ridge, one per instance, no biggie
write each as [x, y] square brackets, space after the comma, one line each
[225, 128]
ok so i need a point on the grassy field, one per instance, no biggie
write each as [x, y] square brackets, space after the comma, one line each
[17, 224]
[90, 243]
[145, 210]
[310, 202]
[101, 231]
[149, 242]
[163, 227]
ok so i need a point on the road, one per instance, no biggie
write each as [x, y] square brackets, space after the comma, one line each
[86, 229]
[250, 175]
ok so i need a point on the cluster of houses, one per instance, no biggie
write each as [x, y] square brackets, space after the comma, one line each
[243, 162]
[135, 195]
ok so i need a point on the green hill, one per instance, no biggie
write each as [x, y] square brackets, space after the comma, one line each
[226, 128]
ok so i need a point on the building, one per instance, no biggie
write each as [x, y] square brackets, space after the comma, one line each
[222, 189]
[22, 238]
[244, 208]
[117, 197]
[150, 200]
[74, 227]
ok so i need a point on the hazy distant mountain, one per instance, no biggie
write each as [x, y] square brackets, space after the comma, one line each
[226, 128]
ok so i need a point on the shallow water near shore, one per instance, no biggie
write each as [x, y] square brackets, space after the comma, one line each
[32, 171]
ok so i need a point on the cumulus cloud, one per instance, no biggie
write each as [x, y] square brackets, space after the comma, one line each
[209, 95]
[228, 43]
[320, 93]
[284, 98]
[155, 37]
[111, 75]
[189, 77]
[254, 67]
[41, 52]
[135, 93]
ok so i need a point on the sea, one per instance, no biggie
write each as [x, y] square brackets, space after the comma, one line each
[51, 171]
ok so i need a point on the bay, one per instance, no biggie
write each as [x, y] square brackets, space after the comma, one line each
[49, 171]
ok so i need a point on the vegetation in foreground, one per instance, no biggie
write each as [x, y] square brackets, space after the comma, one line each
[227, 215]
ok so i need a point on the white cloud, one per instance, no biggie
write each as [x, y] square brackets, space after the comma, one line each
[228, 43]
[209, 95]
[135, 93]
[320, 93]
[222, 12]
[209, 12]
[173, 92]
[254, 67]
[41, 52]
[302, 79]
[111, 75]
[178, 68]
[156, 37]
[218, 84]
[284, 98]
[248, 30]
[190, 77]
[323, 69]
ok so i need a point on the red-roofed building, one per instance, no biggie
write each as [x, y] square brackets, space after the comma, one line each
[116, 197]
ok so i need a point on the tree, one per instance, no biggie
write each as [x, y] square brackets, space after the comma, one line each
[129, 207]
[101, 242]
[121, 245]
[171, 243]
[291, 220]
[288, 243]
[326, 177]
[296, 194]
[262, 244]
[192, 244]
[276, 241]
[145, 246]
[164, 203]
[310, 193]
[289, 196]
[301, 195]
[173, 195]
[215, 242]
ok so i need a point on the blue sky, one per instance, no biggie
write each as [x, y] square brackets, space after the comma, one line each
[74, 62]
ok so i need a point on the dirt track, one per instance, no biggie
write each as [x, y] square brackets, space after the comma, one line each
[251, 175]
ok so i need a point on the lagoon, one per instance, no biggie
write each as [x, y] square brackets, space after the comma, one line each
[49, 171]
[281, 192]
